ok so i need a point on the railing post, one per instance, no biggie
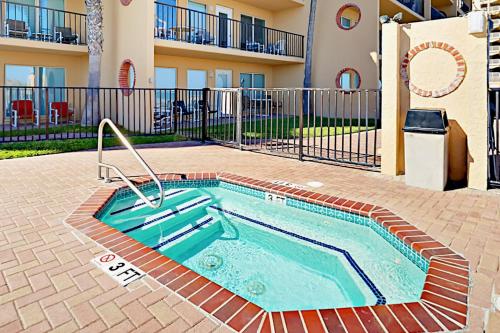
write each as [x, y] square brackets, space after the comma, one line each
[174, 109]
[301, 129]
[239, 117]
[204, 115]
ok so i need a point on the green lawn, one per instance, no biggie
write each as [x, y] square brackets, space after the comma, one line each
[37, 148]
[288, 127]
[71, 128]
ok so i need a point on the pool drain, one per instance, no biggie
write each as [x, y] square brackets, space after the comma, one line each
[256, 288]
[211, 262]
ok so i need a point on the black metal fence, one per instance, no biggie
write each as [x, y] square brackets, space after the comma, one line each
[196, 27]
[494, 138]
[318, 124]
[41, 23]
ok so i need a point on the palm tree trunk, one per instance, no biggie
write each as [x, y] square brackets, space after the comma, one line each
[91, 116]
[306, 100]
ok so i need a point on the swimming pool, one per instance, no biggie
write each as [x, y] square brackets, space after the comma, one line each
[243, 251]
[281, 254]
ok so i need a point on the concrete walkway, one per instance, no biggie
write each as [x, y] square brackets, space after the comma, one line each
[48, 283]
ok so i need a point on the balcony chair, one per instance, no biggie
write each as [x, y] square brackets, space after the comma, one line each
[254, 46]
[279, 48]
[17, 29]
[64, 35]
[60, 111]
[22, 110]
[203, 37]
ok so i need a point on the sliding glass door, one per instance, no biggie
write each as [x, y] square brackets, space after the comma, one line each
[49, 19]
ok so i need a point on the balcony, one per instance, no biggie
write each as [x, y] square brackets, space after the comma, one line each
[214, 34]
[416, 6]
[48, 26]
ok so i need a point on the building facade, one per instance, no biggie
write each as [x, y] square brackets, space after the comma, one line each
[202, 43]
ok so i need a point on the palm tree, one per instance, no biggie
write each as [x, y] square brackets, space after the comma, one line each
[309, 55]
[95, 42]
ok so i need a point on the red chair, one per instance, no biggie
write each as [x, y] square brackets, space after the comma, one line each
[60, 110]
[22, 110]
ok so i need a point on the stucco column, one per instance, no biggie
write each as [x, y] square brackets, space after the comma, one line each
[391, 164]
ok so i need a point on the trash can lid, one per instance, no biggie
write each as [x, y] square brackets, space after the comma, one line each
[431, 121]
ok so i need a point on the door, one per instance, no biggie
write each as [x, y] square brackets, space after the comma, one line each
[224, 30]
[165, 83]
[246, 31]
[223, 79]
[52, 77]
[49, 19]
[197, 22]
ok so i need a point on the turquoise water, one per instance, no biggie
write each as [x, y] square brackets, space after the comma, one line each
[278, 257]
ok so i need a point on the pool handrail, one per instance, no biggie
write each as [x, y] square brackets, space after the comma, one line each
[134, 153]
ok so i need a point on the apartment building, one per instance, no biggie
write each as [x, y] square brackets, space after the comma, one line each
[201, 43]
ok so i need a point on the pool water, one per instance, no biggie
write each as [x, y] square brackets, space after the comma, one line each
[276, 256]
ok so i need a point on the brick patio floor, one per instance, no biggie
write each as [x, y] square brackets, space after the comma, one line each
[48, 283]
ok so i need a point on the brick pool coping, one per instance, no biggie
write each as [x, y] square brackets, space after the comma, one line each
[443, 305]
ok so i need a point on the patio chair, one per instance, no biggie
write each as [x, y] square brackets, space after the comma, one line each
[203, 37]
[162, 117]
[254, 46]
[64, 35]
[17, 29]
[60, 111]
[22, 110]
[181, 108]
[280, 47]
[201, 105]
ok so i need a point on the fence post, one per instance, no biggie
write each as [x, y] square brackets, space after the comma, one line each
[301, 129]
[47, 114]
[239, 117]
[204, 115]
[175, 110]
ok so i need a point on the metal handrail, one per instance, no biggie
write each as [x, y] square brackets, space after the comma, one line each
[127, 144]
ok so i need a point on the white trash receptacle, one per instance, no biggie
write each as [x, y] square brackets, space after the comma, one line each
[426, 149]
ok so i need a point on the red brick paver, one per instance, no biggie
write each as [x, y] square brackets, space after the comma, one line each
[37, 194]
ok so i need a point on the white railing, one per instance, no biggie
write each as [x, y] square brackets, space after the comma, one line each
[120, 174]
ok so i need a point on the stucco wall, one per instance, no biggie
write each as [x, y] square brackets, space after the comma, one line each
[434, 69]
[334, 48]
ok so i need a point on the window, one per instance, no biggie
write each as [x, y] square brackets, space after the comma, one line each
[348, 16]
[166, 16]
[30, 76]
[197, 17]
[165, 78]
[345, 22]
[196, 79]
[251, 80]
[348, 79]
[49, 19]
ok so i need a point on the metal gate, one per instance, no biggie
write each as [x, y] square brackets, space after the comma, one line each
[309, 124]
[494, 138]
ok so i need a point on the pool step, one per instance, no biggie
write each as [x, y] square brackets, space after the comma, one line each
[186, 232]
[169, 214]
[139, 204]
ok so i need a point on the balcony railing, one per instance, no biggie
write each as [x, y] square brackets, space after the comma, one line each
[196, 27]
[42, 24]
[415, 5]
